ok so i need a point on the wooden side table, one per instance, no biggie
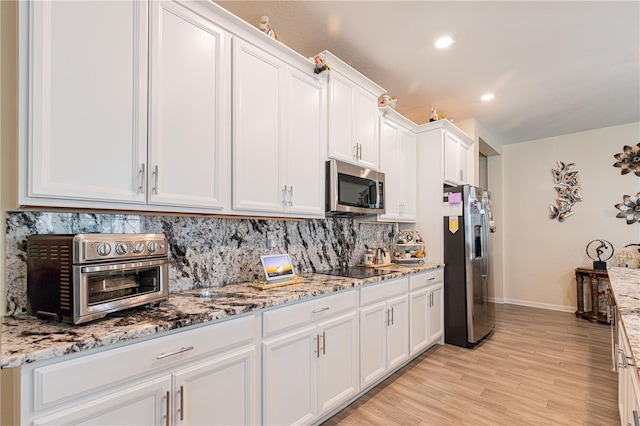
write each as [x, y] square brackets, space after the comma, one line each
[594, 275]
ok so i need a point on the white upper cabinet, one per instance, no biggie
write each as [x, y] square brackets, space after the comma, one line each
[398, 163]
[306, 143]
[258, 91]
[86, 125]
[188, 106]
[279, 135]
[93, 135]
[353, 115]
[453, 146]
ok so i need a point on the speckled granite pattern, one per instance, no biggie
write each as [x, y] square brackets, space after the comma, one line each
[205, 251]
[26, 339]
[625, 285]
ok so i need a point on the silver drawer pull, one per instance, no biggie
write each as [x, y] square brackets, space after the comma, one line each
[179, 351]
[431, 279]
[317, 311]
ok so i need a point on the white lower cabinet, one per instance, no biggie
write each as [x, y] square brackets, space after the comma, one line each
[142, 404]
[207, 375]
[220, 391]
[316, 356]
[628, 383]
[313, 368]
[384, 329]
[426, 304]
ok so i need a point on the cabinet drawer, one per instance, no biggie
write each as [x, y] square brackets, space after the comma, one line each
[377, 292]
[280, 319]
[67, 380]
[427, 278]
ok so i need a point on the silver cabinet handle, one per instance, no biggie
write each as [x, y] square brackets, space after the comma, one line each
[431, 279]
[388, 322]
[391, 316]
[291, 196]
[155, 179]
[168, 396]
[359, 151]
[181, 403]
[317, 346]
[324, 343]
[317, 311]
[624, 358]
[179, 351]
[141, 178]
[284, 196]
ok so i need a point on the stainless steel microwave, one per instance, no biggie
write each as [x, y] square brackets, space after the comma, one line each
[353, 191]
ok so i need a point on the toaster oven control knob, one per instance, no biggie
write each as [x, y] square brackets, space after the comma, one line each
[152, 247]
[138, 247]
[103, 249]
[121, 248]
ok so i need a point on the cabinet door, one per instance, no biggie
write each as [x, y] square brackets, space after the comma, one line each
[258, 87]
[451, 159]
[341, 118]
[366, 131]
[306, 144]
[418, 323]
[188, 103]
[373, 343]
[398, 332]
[389, 156]
[465, 177]
[87, 104]
[289, 378]
[337, 362]
[436, 312]
[408, 176]
[144, 404]
[221, 391]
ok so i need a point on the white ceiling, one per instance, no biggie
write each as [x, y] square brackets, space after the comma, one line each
[556, 67]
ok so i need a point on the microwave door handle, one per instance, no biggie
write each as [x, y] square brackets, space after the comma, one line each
[373, 194]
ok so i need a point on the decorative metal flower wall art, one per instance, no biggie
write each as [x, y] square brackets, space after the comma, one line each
[629, 208]
[567, 187]
[628, 160]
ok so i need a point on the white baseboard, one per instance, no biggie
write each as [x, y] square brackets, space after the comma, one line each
[549, 306]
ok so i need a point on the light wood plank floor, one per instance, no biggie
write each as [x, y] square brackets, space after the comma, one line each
[540, 367]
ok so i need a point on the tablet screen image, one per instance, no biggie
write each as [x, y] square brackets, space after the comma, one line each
[277, 268]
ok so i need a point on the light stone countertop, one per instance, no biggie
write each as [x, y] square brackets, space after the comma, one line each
[27, 339]
[625, 285]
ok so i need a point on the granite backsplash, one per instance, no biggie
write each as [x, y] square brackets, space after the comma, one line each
[205, 251]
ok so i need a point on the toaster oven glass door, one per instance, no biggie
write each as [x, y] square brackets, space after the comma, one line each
[106, 284]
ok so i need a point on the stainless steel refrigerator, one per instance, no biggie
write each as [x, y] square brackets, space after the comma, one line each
[469, 315]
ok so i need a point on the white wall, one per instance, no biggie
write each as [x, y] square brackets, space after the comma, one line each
[541, 254]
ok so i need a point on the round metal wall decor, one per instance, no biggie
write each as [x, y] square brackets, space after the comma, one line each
[628, 160]
[629, 208]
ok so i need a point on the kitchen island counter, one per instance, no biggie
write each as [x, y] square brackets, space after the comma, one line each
[625, 285]
[26, 339]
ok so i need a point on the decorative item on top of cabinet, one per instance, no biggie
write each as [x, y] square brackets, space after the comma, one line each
[628, 160]
[321, 63]
[388, 100]
[567, 187]
[629, 208]
[265, 27]
[409, 247]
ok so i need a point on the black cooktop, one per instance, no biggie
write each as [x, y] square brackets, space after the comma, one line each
[356, 272]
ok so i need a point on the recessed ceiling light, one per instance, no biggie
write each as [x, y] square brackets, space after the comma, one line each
[487, 96]
[445, 41]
